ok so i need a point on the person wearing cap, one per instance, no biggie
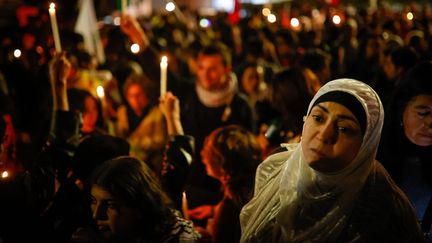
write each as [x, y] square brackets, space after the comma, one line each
[329, 187]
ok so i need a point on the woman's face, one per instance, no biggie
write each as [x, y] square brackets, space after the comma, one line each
[417, 120]
[331, 137]
[111, 216]
[90, 115]
[136, 98]
[250, 80]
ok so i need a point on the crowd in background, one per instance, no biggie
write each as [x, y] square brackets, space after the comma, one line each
[236, 91]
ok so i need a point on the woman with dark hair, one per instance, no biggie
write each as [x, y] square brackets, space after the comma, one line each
[231, 155]
[81, 100]
[406, 145]
[281, 116]
[141, 122]
[129, 205]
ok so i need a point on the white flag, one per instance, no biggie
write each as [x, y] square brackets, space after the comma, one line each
[86, 25]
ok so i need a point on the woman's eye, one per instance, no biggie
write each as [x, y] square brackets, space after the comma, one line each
[423, 114]
[343, 129]
[112, 206]
[317, 118]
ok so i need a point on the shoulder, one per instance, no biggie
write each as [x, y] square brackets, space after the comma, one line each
[182, 230]
[271, 167]
[383, 212]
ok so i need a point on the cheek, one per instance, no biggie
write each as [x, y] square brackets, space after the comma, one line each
[113, 221]
[411, 125]
[349, 151]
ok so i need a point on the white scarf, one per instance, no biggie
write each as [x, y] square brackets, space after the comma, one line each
[217, 98]
[289, 194]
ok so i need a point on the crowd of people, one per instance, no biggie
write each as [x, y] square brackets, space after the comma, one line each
[268, 132]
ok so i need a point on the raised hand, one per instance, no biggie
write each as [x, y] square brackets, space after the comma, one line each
[130, 26]
[59, 69]
[170, 108]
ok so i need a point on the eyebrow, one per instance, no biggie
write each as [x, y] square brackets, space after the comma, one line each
[422, 107]
[344, 117]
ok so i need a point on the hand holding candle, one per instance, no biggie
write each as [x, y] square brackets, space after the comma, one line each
[54, 27]
[163, 75]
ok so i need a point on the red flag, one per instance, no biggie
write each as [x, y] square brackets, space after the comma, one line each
[234, 17]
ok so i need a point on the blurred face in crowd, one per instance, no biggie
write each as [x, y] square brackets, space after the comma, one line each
[90, 114]
[312, 81]
[325, 73]
[389, 68]
[111, 216]
[417, 120]
[136, 98]
[212, 73]
[250, 80]
[331, 137]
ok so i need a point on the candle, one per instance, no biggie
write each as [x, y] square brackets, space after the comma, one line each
[54, 27]
[123, 6]
[101, 94]
[184, 206]
[163, 75]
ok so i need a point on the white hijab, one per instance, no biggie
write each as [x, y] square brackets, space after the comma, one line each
[293, 202]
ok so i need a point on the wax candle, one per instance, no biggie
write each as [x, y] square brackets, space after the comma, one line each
[184, 206]
[123, 6]
[163, 75]
[54, 27]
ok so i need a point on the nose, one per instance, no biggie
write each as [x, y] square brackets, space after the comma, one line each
[99, 212]
[328, 133]
[428, 122]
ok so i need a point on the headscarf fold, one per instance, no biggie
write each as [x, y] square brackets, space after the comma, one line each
[295, 203]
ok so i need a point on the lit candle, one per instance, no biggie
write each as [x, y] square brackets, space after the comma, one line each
[124, 6]
[54, 27]
[184, 206]
[101, 94]
[163, 75]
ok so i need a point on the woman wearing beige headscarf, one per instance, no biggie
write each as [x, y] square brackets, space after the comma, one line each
[329, 187]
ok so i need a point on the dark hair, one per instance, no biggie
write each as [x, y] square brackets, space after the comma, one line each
[217, 49]
[85, 159]
[315, 59]
[239, 151]
[405, 57]
[77, 98]
[239, 154]
[143, 81]
[290, 97]
[132, 183]
[415, 82]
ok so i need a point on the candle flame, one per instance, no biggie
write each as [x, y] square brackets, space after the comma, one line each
[100, 91]
[52, 6]
[164, 59]
[4, 174]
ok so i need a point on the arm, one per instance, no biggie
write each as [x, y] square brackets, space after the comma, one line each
[64, 124]
[133, 30]
[59, 69]
[170, 107]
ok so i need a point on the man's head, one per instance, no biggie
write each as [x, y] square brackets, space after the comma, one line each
[214, 66]
[398, 61]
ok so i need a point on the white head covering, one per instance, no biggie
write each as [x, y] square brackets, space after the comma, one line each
[295, 203]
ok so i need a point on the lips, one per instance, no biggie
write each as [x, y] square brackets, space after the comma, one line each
[102, 227]
[319, 152]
